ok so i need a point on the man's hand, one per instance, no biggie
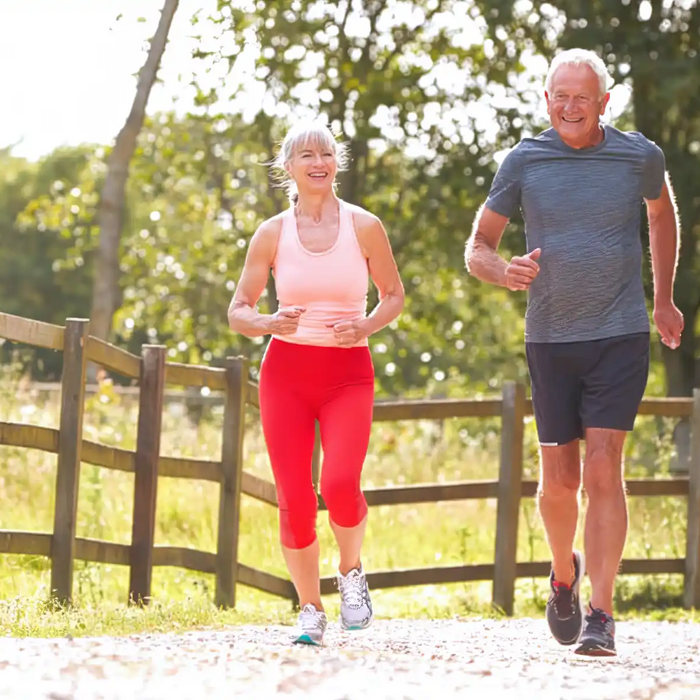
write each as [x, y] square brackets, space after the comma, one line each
[669, 322]
[522, 270]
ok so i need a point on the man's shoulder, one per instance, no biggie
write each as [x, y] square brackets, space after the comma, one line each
[528, 146]
[532, 144]
[634, 140]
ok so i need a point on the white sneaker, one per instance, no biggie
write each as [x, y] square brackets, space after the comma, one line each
[355, 604]
[311, 626]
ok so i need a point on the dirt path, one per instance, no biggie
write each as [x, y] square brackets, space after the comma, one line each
[395, 660]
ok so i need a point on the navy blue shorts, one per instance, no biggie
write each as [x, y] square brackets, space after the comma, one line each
[591, 384]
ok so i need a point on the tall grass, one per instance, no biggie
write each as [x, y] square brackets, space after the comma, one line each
[398, 537]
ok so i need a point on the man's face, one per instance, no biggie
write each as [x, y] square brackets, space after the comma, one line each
[575, 104]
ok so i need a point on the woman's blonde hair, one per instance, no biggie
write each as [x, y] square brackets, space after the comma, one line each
[314, 134]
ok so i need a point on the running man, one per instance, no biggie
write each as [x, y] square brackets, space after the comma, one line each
[318, 365]
[580, 186]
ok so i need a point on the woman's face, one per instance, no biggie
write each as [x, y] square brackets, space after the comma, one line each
[313, 166]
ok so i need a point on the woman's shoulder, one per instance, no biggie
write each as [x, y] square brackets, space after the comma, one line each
[362, 218]
[267, 236]
[270, 229]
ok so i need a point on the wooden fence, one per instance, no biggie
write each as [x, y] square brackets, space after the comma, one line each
[154, 373]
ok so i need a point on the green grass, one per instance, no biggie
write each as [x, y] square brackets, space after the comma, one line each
[397, 537]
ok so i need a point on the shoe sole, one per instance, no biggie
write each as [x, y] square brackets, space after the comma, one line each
[356, 628]
[595, 650]
[307, 641]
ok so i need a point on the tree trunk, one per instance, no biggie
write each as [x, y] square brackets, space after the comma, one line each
[111, 210]
[351, 189]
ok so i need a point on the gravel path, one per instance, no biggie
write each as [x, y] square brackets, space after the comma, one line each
[395, 660]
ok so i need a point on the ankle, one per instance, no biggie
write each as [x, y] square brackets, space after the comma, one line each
[345, 570]
[316, 603]
[605, 605]
[565, 576]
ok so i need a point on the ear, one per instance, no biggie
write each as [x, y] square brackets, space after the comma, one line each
[546, 99]
[604, 103]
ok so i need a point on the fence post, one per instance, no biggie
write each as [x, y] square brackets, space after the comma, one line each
[316, 459]
[230, 489]
[70, 442]
[151, 390]
[509, 488]
[692, 557]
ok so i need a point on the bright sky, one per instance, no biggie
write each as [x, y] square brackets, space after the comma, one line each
[67, 68]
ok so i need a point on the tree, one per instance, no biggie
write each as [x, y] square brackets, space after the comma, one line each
[42, 272]
[105, 296]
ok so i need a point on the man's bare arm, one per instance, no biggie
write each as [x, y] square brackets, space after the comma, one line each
[484, 262]
[480, 256]
[664, 242]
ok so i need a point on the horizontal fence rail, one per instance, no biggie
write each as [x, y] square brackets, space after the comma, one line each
[230, 387]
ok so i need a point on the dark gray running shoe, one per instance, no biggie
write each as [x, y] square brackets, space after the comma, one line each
[564, 611]
[598, 636]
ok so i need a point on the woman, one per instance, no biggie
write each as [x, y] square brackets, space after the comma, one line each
[317, 365]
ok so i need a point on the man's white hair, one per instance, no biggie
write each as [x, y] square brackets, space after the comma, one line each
[579, 57]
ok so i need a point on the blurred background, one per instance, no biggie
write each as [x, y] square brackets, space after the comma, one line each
[190, 98]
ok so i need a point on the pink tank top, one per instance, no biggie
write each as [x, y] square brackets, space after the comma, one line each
[331, 285]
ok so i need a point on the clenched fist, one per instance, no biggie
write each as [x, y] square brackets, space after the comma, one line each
[348, 333]
[286, 321]
[522, 270]
[669, 322]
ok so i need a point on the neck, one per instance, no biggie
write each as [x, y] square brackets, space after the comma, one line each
[589, 140]
[317, 206]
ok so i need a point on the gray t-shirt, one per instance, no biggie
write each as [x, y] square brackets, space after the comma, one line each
[583, 208]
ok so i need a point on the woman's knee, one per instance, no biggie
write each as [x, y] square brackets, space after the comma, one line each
[297, 519]
[344, 500]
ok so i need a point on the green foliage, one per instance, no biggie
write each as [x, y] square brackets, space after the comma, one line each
[425, 97]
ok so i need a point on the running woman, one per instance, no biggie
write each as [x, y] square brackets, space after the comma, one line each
[317, 366]
[581, 186]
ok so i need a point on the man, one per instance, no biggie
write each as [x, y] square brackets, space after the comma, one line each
[580, 185]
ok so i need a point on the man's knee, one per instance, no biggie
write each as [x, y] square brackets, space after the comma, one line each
[560, 476]
[602, 470]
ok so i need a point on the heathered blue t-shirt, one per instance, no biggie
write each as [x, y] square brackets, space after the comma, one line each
[583, 208]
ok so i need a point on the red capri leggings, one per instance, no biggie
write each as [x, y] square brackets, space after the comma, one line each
[300, 384]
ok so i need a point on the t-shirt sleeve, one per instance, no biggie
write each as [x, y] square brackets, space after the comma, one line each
[504, 195]
[654, 172]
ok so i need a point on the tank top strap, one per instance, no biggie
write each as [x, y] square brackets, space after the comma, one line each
[288, 222]
[347, 224]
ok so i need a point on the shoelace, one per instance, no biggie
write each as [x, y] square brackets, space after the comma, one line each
[598, 622]
[564, 601]
[310, 618]
[352, 588]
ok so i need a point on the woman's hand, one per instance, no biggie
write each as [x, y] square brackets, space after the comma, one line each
[285, 321]
[349, 333]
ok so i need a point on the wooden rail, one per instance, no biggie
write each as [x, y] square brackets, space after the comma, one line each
[238, 393]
